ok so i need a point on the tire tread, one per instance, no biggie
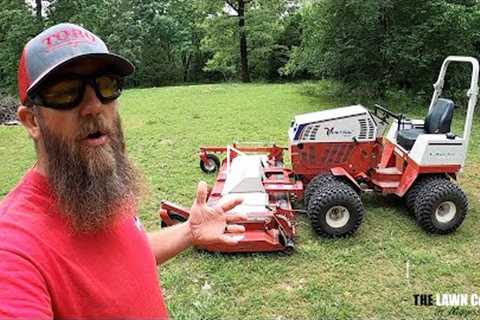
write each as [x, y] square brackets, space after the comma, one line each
[432, 193]
[328, 196]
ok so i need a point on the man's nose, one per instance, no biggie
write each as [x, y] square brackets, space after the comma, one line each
[90, 105]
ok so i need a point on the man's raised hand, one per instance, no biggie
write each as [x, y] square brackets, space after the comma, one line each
[210, 225]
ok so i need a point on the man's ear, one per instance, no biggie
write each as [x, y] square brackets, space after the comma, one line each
[29, 121]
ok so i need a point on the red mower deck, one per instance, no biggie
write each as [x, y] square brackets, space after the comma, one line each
[270, 227]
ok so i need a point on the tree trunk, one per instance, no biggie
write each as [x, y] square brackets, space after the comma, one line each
[187, 60]
[244, 73]
[38, 9]
[386, 67]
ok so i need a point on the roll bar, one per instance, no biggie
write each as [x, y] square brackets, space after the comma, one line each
[472, 92]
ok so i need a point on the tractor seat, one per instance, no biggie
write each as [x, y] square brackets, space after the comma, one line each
[438, 120]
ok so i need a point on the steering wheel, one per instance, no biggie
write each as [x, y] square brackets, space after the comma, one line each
[384, 114]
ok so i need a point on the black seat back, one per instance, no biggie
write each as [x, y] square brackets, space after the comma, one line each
[439, 118]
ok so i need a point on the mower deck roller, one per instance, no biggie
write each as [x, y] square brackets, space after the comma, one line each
[265, 189]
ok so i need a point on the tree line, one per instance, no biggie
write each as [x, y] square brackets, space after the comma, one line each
[374, 45]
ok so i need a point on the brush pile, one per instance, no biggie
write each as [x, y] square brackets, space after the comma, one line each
[8, 110]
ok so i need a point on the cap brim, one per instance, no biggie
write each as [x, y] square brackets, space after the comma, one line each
[113, 62]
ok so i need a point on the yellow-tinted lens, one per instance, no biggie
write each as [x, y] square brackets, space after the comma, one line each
[108, 86]
[62, 92]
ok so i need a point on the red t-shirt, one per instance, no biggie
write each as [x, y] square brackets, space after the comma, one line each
[48, 271]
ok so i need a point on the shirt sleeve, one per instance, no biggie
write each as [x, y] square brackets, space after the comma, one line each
[23, 291]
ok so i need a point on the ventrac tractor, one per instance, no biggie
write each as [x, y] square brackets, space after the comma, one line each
[339, 154]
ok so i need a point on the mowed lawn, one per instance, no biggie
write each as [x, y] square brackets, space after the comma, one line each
[361, 277]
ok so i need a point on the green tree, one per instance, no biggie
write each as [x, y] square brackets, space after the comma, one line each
[224, 35]
[380, 44]
[188, 17]
[17, 25]
[162, 38]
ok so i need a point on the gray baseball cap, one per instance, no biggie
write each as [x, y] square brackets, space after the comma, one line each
[59, 46]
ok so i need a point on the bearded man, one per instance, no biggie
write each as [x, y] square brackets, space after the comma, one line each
[71, 244]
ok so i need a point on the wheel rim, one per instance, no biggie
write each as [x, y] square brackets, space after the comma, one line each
[337, 216]
[445, 211]
[209, 165]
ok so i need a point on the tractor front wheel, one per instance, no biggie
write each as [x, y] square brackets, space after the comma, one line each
[441, 207]
[211, 165]
[315, 184]
[335, 210]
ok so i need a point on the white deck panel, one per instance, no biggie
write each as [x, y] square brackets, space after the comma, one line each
[249, 199]
[245, 175]
[248, 209]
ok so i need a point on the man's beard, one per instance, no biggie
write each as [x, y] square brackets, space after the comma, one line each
[93, 185]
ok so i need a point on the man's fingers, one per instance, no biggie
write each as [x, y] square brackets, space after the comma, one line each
[230, 239]
[237, 217]
[230, 204]
[202, 192]
[235, 228]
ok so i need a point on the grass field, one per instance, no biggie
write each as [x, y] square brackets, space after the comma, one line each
[362, 277]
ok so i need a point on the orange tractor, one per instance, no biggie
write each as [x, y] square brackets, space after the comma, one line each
[339, 154]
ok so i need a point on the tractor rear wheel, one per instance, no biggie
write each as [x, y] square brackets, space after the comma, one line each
[335, 210]
[211, 165]
[316, 183]
[418, 185]
[441, 207]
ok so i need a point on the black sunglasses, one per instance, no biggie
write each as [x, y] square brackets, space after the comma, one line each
[67, 93]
